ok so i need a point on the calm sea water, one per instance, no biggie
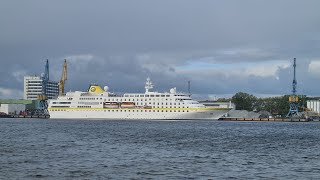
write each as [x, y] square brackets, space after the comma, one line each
[75, 149]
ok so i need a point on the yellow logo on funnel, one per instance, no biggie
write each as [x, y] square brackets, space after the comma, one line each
[92, 89]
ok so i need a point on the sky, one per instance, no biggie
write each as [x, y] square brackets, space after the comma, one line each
[221, 47]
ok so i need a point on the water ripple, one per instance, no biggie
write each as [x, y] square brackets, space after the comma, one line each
[62, 149]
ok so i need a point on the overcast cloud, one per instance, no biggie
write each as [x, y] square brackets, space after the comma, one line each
[222, 47]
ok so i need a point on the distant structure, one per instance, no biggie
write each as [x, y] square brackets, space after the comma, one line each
[45, 78]
[314, 106]
[12, 109]
[293, 99]
[63, 78]
[40, 86]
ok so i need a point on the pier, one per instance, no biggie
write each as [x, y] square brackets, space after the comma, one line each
[263, 119]
[27, 116]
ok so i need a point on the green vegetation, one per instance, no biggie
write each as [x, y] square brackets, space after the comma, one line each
[244, 101]
[274, 105]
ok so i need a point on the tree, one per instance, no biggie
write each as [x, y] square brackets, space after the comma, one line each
[277, 105]
[244, 101]
[274, 105]
[224, 100]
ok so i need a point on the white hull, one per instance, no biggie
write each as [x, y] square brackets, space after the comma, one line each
[101, 104]
[104, 114]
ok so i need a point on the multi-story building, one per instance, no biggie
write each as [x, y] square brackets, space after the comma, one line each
[35, 85]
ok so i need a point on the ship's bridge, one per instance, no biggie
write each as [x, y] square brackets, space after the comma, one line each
[193, 104]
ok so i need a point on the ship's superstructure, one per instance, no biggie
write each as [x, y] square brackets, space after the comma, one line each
[97, 103]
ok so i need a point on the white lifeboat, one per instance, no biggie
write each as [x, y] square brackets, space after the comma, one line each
[110, 105]
[128, 105]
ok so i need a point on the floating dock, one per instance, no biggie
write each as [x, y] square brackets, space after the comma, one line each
[263, 119]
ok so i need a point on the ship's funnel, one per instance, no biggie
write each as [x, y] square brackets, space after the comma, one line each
[95, 89]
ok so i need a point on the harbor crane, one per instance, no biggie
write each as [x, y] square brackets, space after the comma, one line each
[43, 97]
[293, 99]
[45, 78]
[63, 78]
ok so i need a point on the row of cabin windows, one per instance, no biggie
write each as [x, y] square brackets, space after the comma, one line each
[141, 103]
[60, 106]
[97, 103]
[61, 102]
[147, 110]
[132, 110]
[159, 104]
[91, 103]
[90, 98]
[133, 99]
[154, 103]
[125, 100]
[86, 98]
[141, 95]
[164, 106]
[128, 99]
[84, 106]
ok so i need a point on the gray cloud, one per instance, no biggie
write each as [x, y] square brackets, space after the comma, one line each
[120, 43]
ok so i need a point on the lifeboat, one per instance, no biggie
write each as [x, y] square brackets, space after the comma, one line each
[128, 105]
[147, 107]
[110, 105]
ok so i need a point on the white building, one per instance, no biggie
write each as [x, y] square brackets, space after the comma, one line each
[314, 105]
[12, 109]
[34, 86]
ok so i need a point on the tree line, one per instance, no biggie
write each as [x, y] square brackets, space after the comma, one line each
[274, 105]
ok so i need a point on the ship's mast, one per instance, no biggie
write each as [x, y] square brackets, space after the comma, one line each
[148, 85]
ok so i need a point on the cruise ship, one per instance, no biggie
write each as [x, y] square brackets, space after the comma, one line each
[98, 103]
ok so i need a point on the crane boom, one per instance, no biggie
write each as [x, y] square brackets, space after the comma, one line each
[63, 78]
[45, 78]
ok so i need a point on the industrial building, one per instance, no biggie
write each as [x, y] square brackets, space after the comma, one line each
[12, 109]
[21, 107]
[15, 107]
[35, 86]
[314, 106]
